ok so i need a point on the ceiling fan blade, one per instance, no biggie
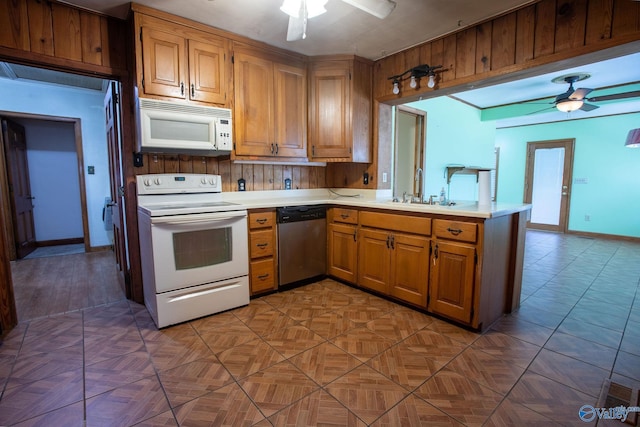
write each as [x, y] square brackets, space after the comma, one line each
[615, 96]
[378, 8]
[588, 107]
[297, 29]
[579, 94]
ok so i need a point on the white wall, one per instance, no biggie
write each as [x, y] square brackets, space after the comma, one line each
[87, 105]
[53, 174]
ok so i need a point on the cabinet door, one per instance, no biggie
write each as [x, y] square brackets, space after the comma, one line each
[290, 110]
[330, 120]
[373, 260]
[164, 63]
[253, 111]
[207, 71]
[452, 281]
[410, 268]
[343, 252]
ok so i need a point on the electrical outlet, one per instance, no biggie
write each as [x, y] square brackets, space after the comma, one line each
[384, 177]
[365, 178]
[587, 217]
[137, 160]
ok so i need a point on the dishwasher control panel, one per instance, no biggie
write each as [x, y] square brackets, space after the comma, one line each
[300, 213]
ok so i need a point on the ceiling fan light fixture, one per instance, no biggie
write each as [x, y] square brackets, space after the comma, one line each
[569, 105]
[633, 139]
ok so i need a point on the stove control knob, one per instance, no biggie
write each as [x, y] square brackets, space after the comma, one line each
[147, 182]
[203, 180]
[157, 181]
[213, 180]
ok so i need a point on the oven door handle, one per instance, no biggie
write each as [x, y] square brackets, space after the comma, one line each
[198, 218]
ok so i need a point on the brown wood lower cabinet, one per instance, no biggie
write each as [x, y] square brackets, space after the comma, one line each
[410, 268]
[395, 264]
[374, 260]
[452, 281]
[263, 253]
[391, 260]
[342, 243]
[465, 269]
[342, 246]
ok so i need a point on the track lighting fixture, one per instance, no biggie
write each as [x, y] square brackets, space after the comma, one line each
[414, 74]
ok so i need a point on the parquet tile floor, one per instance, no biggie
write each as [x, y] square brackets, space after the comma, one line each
[329, 354]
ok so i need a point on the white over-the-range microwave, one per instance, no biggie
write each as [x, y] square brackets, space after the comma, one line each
[171, 127]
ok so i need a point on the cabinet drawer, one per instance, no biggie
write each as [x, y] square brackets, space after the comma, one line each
[262, 219]
[395, 222]
[262, 275]
[348, 216]
[261, 243]
[455, 230]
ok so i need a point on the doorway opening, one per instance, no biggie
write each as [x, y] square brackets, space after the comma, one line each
[410, 132]
[548, 176]
[38, 93]
[42, 177]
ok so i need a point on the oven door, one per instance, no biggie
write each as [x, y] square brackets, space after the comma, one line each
[195, 249]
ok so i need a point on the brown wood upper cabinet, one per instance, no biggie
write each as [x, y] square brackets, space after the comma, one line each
[270, 112]
[340, 109]
[182, 63]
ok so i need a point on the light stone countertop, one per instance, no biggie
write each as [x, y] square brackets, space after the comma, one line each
[379, 199]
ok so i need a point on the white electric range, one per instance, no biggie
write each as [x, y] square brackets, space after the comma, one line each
[193, 247]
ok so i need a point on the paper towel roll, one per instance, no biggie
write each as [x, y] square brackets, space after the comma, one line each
[484, 188]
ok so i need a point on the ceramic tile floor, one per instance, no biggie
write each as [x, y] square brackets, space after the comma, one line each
[328, 354]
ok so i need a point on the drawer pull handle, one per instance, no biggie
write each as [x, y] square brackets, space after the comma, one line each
[454, 231]
[262, 245]
[344, 216]
[261, 220]
[263, 276]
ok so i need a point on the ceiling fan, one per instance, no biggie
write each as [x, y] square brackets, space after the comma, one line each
[300, 11]
[574, 99]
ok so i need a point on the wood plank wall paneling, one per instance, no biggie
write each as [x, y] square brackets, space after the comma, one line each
[538, 34]
[599, 19]
[14, 24]
[258, 177]
[40, 27]
[46, 32]
[67, 42]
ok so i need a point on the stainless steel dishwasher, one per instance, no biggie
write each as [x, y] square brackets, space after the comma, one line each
[302, 244]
